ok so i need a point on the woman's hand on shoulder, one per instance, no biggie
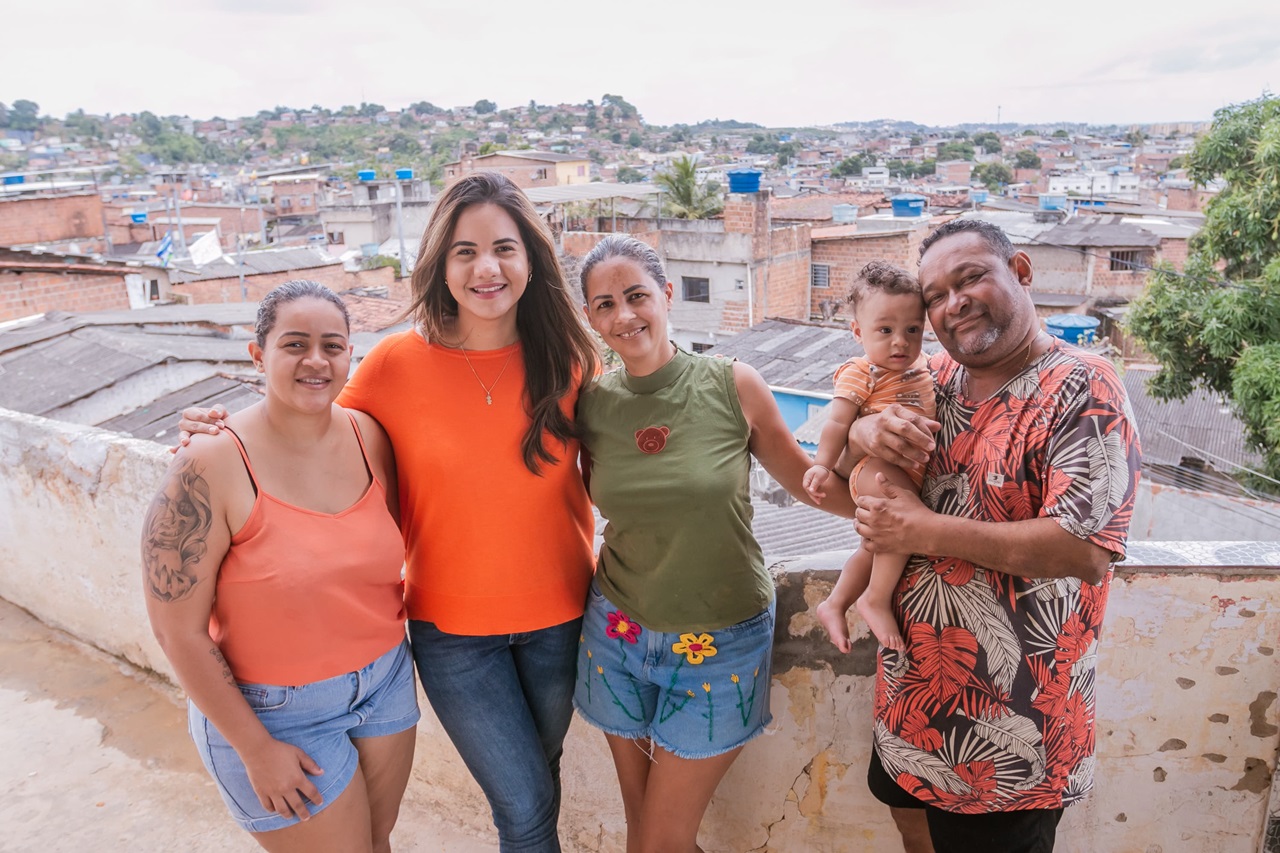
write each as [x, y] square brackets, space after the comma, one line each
[197, 420]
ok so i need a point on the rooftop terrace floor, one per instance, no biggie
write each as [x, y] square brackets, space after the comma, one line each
[95, 756]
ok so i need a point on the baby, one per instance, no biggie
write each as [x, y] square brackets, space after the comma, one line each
[888, 320]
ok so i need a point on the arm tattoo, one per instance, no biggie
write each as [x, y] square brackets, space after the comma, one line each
[174, 540]
[226, 668]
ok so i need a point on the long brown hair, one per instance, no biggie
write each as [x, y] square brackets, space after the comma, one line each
[558, 351]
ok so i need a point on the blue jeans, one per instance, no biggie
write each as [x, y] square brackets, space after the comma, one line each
[505, 701]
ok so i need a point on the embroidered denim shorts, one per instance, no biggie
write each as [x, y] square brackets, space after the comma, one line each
[319, 718]
[696, 694]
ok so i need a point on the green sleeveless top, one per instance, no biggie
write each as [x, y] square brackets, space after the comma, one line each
[669, 473]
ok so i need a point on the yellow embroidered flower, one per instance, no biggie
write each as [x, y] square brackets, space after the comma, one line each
[695, 647]
[690, 692]
[589, 655]
[599, 670]
[706, 686]
[734, 678]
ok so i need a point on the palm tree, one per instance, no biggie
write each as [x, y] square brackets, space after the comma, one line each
[687, 198]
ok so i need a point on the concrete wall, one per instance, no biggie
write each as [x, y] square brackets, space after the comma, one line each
[1188, 724]
[1169, 513]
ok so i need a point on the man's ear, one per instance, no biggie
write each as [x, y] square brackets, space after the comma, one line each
[1020, 265]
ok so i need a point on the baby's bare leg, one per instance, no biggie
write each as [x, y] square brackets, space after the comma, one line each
[852, 583]
[876, 604]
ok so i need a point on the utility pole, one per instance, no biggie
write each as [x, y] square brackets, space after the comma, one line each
[177, 212]
[244, 291]
[400, 220]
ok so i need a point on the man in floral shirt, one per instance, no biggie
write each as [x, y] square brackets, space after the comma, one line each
[986, 719]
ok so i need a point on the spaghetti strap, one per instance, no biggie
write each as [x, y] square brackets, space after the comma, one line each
[253, 478]
[364, 453]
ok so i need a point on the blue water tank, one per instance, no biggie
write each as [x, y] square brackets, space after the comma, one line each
[979, 196]
[9, 180]
[404, 174]
[908, 204]
[1053, 201]
[1072, 328]
[367, 174]
[744, 180]
[139, 217]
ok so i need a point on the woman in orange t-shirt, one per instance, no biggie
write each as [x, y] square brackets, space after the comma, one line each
[478, 401]
[271, 562]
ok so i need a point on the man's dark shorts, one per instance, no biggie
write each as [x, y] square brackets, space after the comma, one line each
[1026, 831]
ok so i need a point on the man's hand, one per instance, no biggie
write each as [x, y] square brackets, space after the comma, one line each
[898, 435]
[894, 524]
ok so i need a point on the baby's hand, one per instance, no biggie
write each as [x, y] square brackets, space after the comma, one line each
[814, 481]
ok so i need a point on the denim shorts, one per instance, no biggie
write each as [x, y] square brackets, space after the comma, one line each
[694, 693]
[319, 718]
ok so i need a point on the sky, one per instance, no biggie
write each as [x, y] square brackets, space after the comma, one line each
[779, 64]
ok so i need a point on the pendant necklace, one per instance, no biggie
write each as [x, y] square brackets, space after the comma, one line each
[964, 380]
[488, 392]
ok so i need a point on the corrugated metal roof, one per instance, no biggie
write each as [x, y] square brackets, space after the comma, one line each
[158, 420]
[1098, 232]
[265, 261]
[1201, 426]
[53, 373]
[797, 356]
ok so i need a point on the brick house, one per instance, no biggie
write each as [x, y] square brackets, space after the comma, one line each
[36, 282]
[525, 168]
[840, 251]
[220, 281]
[53, 221]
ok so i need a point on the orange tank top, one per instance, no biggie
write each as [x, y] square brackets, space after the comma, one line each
[303, 595]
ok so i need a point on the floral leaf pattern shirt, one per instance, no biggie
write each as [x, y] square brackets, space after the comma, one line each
[991, 706]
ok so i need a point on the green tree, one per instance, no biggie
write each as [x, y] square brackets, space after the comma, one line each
[989, 141]
[634, 139]
[485, 106]
[1224, 335]
[850, 166]
[629, 175]
[369, 110]
[992, 175]
[686, 196]
[955, 151]
[786, 153]
[1061, 134]
[1026, 159]
[625, 108]
[24, 115]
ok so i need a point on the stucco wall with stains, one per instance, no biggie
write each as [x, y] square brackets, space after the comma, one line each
[1189, 722]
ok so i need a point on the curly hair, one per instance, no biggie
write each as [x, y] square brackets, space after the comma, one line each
[882, 277]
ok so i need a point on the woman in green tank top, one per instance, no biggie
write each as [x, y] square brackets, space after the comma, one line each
[674, 660]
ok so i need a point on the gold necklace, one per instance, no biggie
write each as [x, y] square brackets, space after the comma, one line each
[488, 392]
[964, 380]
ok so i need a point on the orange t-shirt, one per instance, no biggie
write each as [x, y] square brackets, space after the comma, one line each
[491, 548]
[303, 595]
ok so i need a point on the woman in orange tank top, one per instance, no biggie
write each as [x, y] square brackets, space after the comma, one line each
[272, 565]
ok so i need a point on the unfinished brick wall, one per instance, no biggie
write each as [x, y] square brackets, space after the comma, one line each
[25, 293]
[332, 276]
[845, 256]
[785, 276]
[46, 219]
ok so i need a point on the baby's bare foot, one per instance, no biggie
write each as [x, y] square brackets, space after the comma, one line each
[833, 620]
[881, 622]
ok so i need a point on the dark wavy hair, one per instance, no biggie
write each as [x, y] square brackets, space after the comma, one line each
[559, 353]
[993, 234]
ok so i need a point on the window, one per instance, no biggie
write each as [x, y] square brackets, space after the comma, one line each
[539, 174]
[700, 348]
[286, 203]
[373, 193]
[582, 170]
[304, 201]
[154, 290]
[336, 237]
[819, 275]
[1127, 261]
[695, 289]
